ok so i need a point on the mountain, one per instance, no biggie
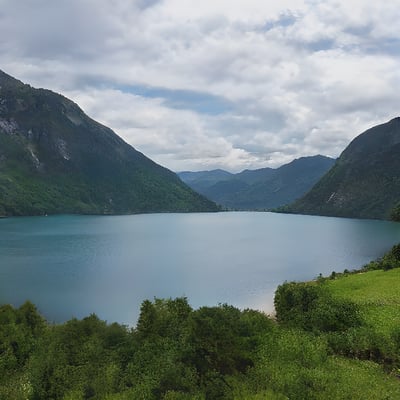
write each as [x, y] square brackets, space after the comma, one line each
[55, 159]
[201, 180]
[263, 188]
[365, 180]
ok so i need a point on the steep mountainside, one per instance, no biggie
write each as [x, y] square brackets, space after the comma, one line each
[55, 159]
[263, 188]
[364, 182]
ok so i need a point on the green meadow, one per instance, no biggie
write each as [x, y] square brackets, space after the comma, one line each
[378, 295]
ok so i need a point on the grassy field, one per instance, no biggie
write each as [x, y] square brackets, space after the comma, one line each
[378, 295]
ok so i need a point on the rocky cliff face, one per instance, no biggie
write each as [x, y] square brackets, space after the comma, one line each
[364, 182]
[55, 159]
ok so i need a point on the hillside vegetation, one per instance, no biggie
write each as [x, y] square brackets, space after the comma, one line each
[55, 159]
[378, 295]
[327, 342]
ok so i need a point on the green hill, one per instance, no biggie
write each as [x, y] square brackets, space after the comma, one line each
[364, 182]
[378, 295]
[263, 188]
[55, 159]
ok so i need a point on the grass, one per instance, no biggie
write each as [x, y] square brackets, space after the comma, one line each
[354, 379]
[378, 295]
[296, 365]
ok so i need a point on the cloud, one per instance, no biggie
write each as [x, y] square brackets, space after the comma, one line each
[200, 102]
[180, 138]
[199, 85]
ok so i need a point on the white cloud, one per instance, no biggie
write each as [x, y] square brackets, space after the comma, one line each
[300, 77]
[179, 138]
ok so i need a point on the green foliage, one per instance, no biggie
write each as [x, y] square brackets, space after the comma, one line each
[164, 318]
[198, 349]
[78, 357]
[293, 364]
[20, 330]
[389, 261]
[311, 307]
[159, 360]
[377, 295]
[177, 353]
[357, 312]
[216, 337]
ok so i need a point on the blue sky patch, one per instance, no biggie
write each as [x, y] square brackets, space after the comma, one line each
[284, 20]
[200, 102]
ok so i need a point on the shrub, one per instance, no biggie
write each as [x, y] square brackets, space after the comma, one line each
[311, 307]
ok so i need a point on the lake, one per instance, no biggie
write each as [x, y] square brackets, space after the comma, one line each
[71, 266]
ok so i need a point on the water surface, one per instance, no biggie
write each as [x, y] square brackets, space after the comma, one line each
[71, 266]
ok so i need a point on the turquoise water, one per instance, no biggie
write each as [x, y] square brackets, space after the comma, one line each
[71, 266]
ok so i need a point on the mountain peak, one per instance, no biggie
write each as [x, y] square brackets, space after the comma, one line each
[8, 79]
[262, 188]
[55, 159]
[364, 182]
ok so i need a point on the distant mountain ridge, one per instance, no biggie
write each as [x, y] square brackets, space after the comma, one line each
[365, 180]
[55, 159]
[259, 189]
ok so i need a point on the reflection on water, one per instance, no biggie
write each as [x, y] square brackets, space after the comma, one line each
[74, 265]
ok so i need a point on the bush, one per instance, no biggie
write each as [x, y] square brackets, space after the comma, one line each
[311, 307]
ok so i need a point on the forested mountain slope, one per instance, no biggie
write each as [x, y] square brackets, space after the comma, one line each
[365, 180]
[55, 159]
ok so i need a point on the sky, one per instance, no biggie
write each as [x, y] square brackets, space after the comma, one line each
[231, 84]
